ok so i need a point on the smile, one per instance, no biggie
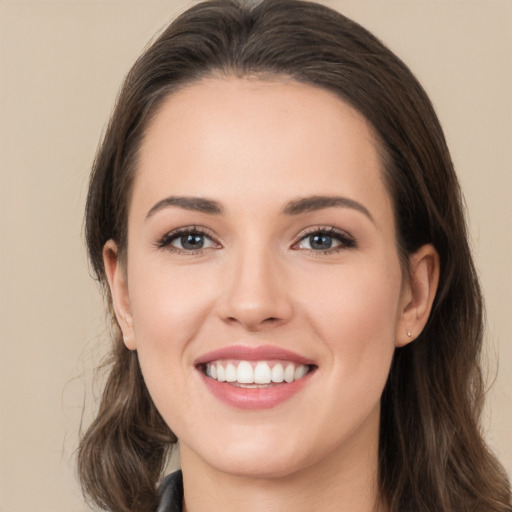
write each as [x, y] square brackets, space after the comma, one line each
[255, 373]
[254, 378]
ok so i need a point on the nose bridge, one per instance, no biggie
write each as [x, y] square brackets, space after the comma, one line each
[255, 292]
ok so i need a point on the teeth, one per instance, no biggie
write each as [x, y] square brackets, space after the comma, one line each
[221, 373]
[300, 371]
[244, 373]
[230, 372]
[289, 373]
[278, 373]
[261, 372]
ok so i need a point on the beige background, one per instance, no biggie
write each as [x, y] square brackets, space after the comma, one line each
[60, 67]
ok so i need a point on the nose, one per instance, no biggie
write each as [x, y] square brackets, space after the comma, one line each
[254, 291]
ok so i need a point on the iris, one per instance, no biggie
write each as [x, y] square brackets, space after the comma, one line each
[320, 241]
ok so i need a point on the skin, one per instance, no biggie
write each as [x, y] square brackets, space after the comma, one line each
[253, 146]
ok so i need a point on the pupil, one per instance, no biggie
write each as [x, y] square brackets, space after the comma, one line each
[320, 241]
[192, 241]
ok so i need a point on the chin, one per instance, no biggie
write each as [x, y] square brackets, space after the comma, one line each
[262, 466]
[261, 456]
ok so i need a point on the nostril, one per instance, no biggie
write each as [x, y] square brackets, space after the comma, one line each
[270, 319]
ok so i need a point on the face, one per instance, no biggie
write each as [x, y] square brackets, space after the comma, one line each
[262, 287]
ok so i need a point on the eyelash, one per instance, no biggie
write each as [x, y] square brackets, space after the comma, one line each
[166, 241]
[345, 240]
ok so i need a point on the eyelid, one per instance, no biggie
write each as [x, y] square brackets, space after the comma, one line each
[165, 241]
[347, 241]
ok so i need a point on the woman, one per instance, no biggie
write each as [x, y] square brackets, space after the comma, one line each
[275, 218]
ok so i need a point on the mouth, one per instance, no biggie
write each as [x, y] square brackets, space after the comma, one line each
[255, 374]
[254, 377]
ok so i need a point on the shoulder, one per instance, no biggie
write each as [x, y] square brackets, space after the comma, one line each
[171, 493]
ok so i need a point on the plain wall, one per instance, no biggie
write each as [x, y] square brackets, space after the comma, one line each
[60, 67]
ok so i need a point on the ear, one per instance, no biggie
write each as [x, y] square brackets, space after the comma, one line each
[116, 276]
[418, 293]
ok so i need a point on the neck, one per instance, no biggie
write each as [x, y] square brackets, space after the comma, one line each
[344, 481]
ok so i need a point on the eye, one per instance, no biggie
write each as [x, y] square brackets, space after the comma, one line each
[191, 241]
[187, 240]
[325, 240]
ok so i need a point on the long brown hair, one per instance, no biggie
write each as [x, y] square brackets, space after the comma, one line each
[432, 455]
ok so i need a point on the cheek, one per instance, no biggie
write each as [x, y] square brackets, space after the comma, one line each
[354, 319]
[361, 297]
[167, 301]
[354, 314]
[169, 309]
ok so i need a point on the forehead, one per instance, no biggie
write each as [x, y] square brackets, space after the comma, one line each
[256, 105]
[279, 138]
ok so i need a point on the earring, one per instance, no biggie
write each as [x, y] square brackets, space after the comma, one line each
[409, 334]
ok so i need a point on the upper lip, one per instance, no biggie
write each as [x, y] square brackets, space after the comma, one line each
[247, 353]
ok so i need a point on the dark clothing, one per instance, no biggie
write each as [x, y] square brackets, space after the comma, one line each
[171, 493]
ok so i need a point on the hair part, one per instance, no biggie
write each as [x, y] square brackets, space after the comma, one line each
[431, 452]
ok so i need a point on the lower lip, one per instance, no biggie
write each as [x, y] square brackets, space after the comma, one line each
[254, 398]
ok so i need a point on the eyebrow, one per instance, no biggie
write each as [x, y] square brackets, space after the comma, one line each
[313, 203]
[295, 207]
[197, 204]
